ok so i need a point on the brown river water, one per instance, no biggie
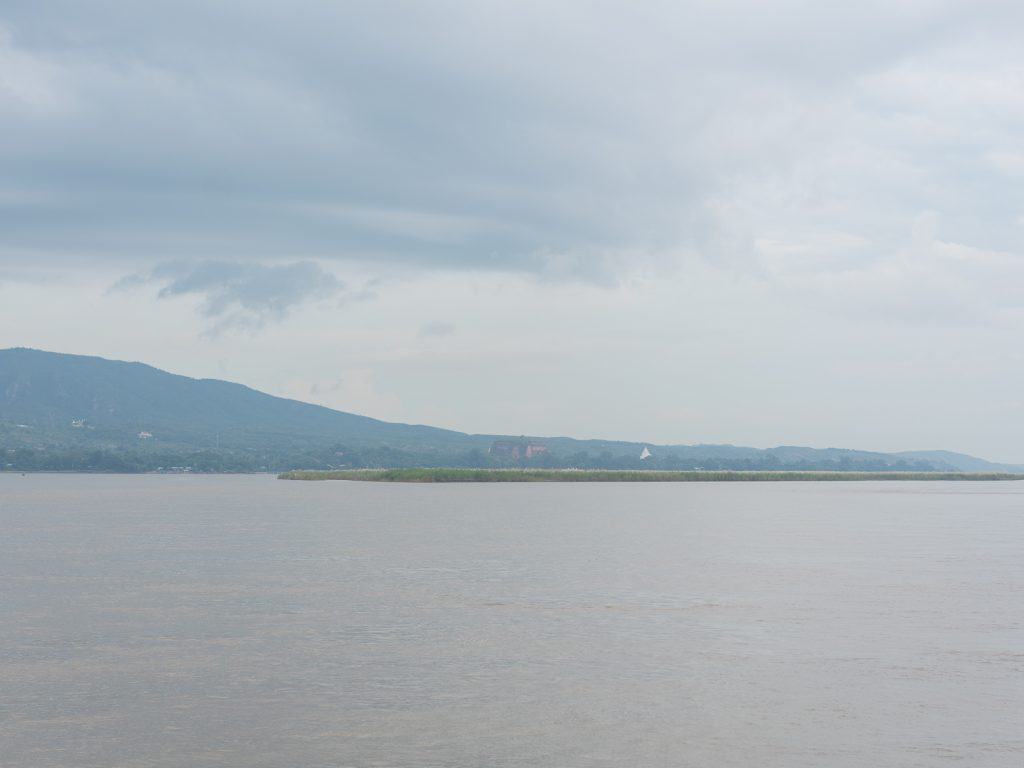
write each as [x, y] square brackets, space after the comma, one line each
[194, 622]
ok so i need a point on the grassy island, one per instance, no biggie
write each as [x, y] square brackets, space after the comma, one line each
[452, 475]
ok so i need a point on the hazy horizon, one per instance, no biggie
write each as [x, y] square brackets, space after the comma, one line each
[596, 436]
[679, 222]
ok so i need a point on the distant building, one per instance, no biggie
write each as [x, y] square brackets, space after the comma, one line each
[535, 449]
[517, 449]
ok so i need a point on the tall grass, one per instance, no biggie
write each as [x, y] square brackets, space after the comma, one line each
[456, 475]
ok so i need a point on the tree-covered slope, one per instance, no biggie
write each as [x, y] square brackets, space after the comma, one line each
[89, 399]
[61, 411]
[961, 461]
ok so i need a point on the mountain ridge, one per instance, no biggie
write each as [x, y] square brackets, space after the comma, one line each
[52, 402]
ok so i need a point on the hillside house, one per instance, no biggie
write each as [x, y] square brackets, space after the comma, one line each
[517, 449]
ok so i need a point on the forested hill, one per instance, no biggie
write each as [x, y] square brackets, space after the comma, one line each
[78, 397]
[61, 412]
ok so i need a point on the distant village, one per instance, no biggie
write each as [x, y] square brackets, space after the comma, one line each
[517, 449]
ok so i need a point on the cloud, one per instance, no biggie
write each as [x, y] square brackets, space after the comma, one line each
[926, 279]
[581, 143]
[436, 330]
[27, 82]
[236, 294]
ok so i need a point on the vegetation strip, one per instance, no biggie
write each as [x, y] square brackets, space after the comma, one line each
[455, 475]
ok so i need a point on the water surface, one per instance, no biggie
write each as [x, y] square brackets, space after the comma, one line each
[158, 621]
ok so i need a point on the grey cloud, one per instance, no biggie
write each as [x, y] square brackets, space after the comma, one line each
[326, 388]
[129, 282]
[241, 294]
[436, 329]
[570, 142]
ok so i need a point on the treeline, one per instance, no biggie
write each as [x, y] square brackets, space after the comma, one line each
[674, 463]
[455, 475]
[341, 457]
[106, 460]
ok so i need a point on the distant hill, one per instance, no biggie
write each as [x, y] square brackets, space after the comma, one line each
[961, 461]
[60, 411]
[78, 398]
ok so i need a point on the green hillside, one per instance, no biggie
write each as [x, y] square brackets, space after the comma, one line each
[82, 399]
[72, 412]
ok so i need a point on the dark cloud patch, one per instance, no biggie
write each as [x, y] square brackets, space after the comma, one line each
[241, 294]
[572, 143]
[326, 387]
[436, 330]
[484, 136]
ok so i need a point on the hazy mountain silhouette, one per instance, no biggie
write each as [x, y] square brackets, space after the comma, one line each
[54, 401]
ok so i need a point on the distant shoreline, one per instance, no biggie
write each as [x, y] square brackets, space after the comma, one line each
[453, 475]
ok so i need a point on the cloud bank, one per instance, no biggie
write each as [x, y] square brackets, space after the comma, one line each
[578, 141]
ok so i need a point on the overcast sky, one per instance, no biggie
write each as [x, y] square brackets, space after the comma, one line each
[746, 222]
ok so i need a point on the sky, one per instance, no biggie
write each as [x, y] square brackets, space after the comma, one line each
[683, 222]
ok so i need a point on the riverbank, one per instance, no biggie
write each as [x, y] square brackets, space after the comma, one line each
[446, 475]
